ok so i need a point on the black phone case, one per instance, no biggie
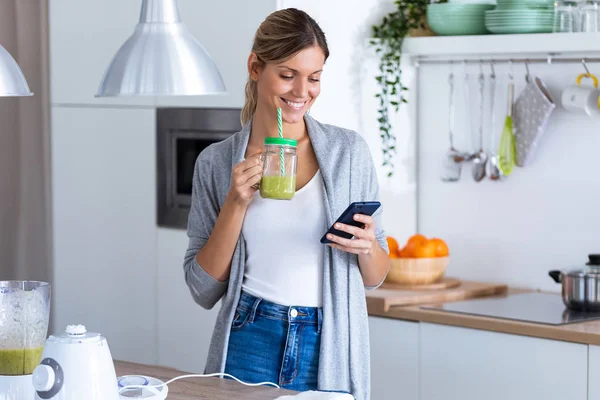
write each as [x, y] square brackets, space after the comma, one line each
[347, 217]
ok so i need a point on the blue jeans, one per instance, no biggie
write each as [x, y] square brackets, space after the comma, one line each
[274, 343]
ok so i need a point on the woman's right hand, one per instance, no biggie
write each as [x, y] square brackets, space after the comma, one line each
[243, 177]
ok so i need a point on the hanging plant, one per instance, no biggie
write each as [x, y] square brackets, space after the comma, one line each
[388, 37]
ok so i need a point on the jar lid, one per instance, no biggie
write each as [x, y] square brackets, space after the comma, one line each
[281, 141]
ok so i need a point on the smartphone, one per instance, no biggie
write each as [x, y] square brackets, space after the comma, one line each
[347, 217]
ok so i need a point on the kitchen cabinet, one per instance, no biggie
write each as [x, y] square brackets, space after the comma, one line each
[394, 359]
[461, 363]
[184, 328]
[104, 226]
[593, 372]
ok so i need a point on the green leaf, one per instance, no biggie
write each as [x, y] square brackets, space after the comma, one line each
[390, 33]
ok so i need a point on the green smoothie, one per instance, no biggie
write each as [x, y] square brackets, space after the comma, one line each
[20, 361]
[278, 187]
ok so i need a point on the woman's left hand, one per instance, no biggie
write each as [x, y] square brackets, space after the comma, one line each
[364, 238]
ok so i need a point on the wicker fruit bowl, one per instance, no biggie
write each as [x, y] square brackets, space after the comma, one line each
[417, 271]
[421, 261]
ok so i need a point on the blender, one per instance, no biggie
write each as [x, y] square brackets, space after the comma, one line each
[24, 316]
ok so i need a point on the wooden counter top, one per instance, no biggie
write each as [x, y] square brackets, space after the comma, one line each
[581, 332]
[201, 388]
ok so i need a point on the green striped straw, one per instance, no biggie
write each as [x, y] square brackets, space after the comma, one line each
[280, 130]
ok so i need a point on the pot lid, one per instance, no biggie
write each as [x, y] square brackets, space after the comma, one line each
[591, 268]
[594, 260]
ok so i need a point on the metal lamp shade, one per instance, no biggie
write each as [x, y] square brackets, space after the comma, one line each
[12, 80]
[161, 58]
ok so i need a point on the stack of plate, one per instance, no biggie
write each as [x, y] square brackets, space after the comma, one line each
[521, 16]
[458, 18]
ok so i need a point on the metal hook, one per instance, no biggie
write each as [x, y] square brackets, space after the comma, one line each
[451, 75]
[493, 70]
[527, 73]
[511, 74]
[585, 66]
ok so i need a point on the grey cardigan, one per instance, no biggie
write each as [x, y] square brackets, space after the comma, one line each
[348, 175]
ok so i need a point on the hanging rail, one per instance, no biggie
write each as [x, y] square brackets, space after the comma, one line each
[550, 59]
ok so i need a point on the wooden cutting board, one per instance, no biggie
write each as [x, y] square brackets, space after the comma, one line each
[381, 299]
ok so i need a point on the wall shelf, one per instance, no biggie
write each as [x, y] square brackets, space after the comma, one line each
[558, 45]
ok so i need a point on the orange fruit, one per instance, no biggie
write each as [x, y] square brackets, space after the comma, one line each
[404, 253]
[392, 245]
[441, 248]
[426, 250]
[413, 242]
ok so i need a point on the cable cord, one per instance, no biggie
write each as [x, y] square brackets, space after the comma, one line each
[129, 387]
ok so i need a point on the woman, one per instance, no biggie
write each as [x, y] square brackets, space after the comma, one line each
[293, 310]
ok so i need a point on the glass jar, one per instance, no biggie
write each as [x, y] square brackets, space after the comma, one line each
[588, 16]
[279, 162]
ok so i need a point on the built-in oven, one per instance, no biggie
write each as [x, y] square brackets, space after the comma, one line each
[181, 134]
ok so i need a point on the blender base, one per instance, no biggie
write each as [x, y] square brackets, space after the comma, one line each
[17, 387]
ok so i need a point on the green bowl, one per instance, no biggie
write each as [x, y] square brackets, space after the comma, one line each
[524, 4]
[453, 19]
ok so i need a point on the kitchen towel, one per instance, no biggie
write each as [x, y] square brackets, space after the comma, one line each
[318, 395]
[531, 113]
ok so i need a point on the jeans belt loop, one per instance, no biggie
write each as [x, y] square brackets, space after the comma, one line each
[319, 319]
[253, 312]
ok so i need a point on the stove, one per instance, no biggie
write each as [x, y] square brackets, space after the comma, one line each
[540, 308]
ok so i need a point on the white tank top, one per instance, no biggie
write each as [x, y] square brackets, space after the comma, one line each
[284, 255]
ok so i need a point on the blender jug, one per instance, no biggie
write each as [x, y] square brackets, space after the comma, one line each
[24, 316]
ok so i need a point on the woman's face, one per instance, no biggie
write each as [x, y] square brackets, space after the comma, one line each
[293, 85]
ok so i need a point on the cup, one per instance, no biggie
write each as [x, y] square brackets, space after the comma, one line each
[586, 99]
[279, 162]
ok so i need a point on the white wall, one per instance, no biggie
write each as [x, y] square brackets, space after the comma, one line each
[542, 217]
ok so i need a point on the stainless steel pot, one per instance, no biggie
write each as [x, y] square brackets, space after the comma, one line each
[581, 287]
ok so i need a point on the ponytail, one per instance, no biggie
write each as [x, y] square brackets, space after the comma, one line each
[250, 102]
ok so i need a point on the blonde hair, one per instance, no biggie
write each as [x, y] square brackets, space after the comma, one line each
[279, 37]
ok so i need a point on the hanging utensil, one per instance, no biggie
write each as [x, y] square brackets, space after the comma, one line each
[453, 158]
[480, 158]
[492, 170]
[507, 141]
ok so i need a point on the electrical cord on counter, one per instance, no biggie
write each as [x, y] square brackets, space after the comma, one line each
[129, 387]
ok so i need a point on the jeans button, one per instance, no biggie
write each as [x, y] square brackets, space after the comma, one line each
[294, 313]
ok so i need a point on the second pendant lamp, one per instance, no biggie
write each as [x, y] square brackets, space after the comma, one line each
[161, 58]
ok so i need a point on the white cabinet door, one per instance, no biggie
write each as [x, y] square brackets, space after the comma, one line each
[226, 29]
[594, 373]
[394, 359]
[84, 37]
[104, 226]
[184, 328]
[464, 364]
